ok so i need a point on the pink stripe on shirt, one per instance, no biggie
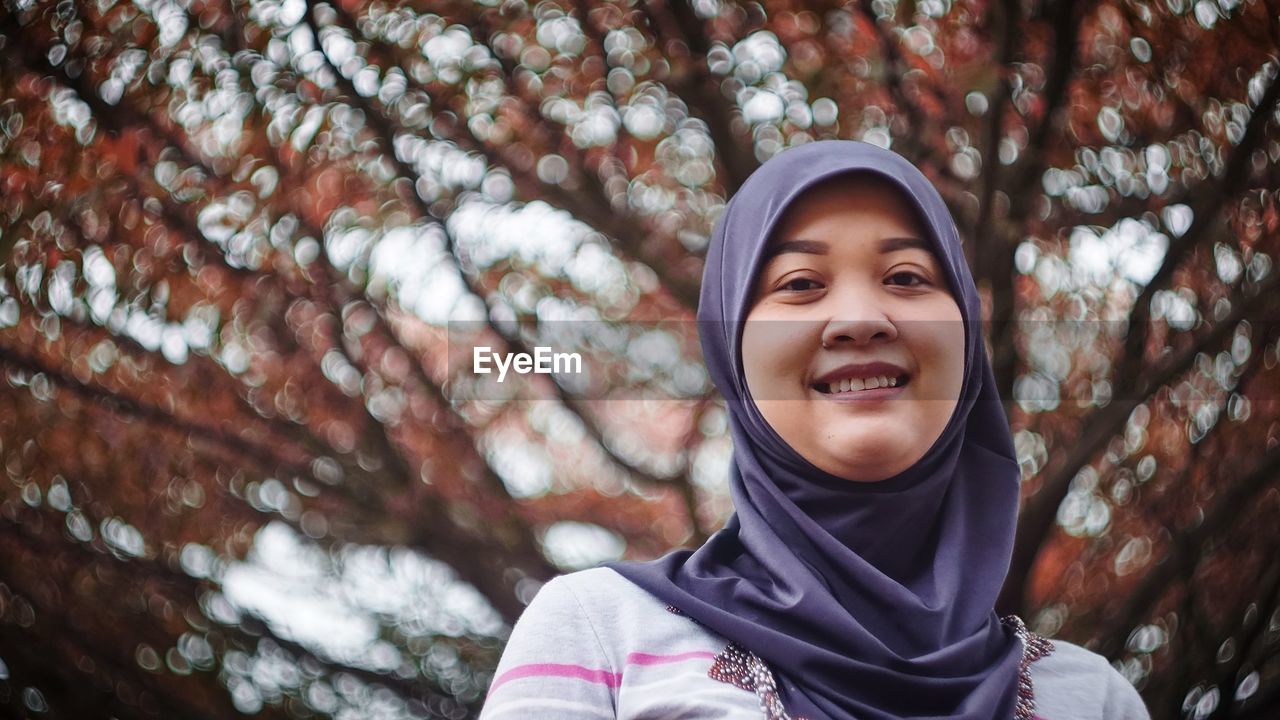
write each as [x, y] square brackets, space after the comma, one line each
[639, 658]
[603, 677]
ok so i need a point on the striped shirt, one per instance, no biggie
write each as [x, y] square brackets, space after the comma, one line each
[592, 644]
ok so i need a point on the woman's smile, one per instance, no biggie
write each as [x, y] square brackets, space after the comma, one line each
[862, 381]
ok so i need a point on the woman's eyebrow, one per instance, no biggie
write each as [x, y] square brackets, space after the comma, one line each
[808, 247]
[892, 244]
[817, 247]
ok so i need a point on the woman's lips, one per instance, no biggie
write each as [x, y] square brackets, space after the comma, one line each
[877, 393]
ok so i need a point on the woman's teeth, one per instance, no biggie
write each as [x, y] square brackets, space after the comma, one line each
[856, 384]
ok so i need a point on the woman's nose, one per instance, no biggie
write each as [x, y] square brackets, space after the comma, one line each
[864, 325]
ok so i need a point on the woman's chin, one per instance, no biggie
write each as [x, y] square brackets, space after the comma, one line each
[866, 462]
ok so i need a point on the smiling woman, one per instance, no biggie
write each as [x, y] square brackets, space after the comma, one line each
[874, 483]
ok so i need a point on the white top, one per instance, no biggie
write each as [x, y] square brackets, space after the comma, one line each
[592, 644]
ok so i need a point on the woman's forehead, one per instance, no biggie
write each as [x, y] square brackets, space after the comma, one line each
[877, 200]
[845, 194]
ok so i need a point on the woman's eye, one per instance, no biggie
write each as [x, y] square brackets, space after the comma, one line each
[907, 278]
[800, 285]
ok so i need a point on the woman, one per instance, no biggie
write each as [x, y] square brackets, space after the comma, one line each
[874, 483]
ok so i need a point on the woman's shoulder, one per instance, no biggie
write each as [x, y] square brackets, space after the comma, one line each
[1073, 682]
[593, 644]
[602, 588]
[621, 614]
[600, 604]
[599, 596]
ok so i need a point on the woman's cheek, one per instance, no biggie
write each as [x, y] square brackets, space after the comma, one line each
[780, 343]
[773, 361]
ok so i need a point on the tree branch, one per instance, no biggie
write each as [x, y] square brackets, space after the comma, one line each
[1206, 203]
[1037, 517]
[1186, 547]
[514, 342]
[702, 94]
[1022, 184]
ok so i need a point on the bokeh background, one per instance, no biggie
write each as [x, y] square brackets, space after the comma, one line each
[242, 476]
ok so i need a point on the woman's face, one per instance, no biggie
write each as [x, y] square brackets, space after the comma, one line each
[854, 347]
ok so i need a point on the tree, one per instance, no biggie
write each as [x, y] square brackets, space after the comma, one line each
[234, 231]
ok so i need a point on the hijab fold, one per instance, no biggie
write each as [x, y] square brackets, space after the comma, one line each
[869, 600]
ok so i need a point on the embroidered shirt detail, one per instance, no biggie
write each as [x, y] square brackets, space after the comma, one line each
[744, 669]
[1034, 647]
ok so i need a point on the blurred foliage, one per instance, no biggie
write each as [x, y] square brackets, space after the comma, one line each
[243, 473]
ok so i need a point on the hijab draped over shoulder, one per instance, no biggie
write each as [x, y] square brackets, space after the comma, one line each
[869, 600]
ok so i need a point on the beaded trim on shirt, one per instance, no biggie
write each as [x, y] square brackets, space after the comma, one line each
[744, 669]
[1034, 647]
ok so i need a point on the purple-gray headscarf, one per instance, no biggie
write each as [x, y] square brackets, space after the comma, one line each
[869, 600]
